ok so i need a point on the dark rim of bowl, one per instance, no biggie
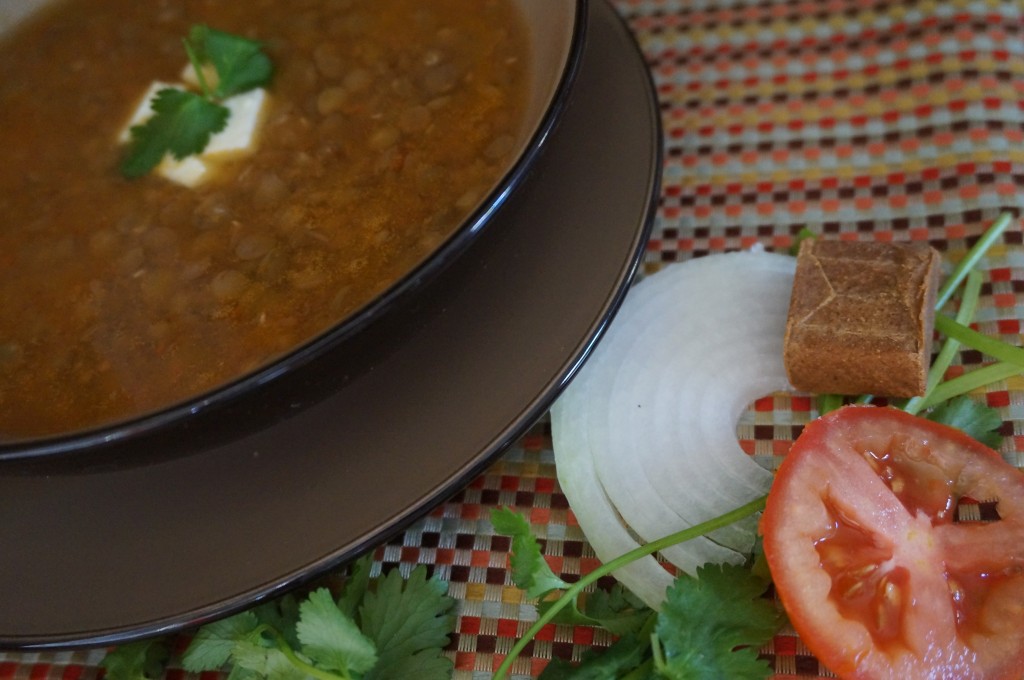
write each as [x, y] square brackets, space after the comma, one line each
[92, 439]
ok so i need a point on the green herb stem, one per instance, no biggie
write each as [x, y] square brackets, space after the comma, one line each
[197, 66]
[575, 589]
[996, 349]
[647, 632]
[966, 273]
[658, 656]
[976, 252]
[971, 381]
[828, 403]
[307, 668]
[968, 305]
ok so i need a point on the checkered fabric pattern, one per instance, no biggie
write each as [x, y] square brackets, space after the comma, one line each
[859, 119]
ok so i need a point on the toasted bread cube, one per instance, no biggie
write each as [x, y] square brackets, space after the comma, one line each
[860, 318]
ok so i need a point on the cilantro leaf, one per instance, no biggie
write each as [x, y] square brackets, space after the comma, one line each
[331, 639]
[211, 646]
[181, 125]
[409, 621]
[241, 673]
[182, 121]
[529, 570]
[426, 664]
[355, 587]
[626, 654]
[757, 562]
[264, 662]
[617, 610]
[976, 419]
[569, 615]
[281, 615]
[711, 626]
[240, 63]
[143, 660]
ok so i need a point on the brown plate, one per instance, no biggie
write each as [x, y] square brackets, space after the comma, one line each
[143, 538]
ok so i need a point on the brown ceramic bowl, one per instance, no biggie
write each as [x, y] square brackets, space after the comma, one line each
[556, 30]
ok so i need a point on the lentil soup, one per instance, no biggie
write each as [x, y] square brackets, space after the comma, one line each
[387, 122]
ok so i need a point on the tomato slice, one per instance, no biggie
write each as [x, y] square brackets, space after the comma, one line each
[875, 572]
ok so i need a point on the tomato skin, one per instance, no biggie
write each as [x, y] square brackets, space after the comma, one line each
[875, 575]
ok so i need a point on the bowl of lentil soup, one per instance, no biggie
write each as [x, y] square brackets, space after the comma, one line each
[392, 131]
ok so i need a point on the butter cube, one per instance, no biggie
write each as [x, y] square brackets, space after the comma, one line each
[240, 132]
[189, 171]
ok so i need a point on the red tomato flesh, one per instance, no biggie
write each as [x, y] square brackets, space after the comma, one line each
[874, 571]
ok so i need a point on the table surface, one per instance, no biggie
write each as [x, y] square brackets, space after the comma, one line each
[857, 119]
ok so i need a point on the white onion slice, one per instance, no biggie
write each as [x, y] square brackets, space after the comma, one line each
[645, 436]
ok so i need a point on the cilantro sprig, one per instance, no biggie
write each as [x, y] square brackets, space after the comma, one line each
[385, 628]
[141, 660]
[710, 626]
[240, 63]
[183, 121]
